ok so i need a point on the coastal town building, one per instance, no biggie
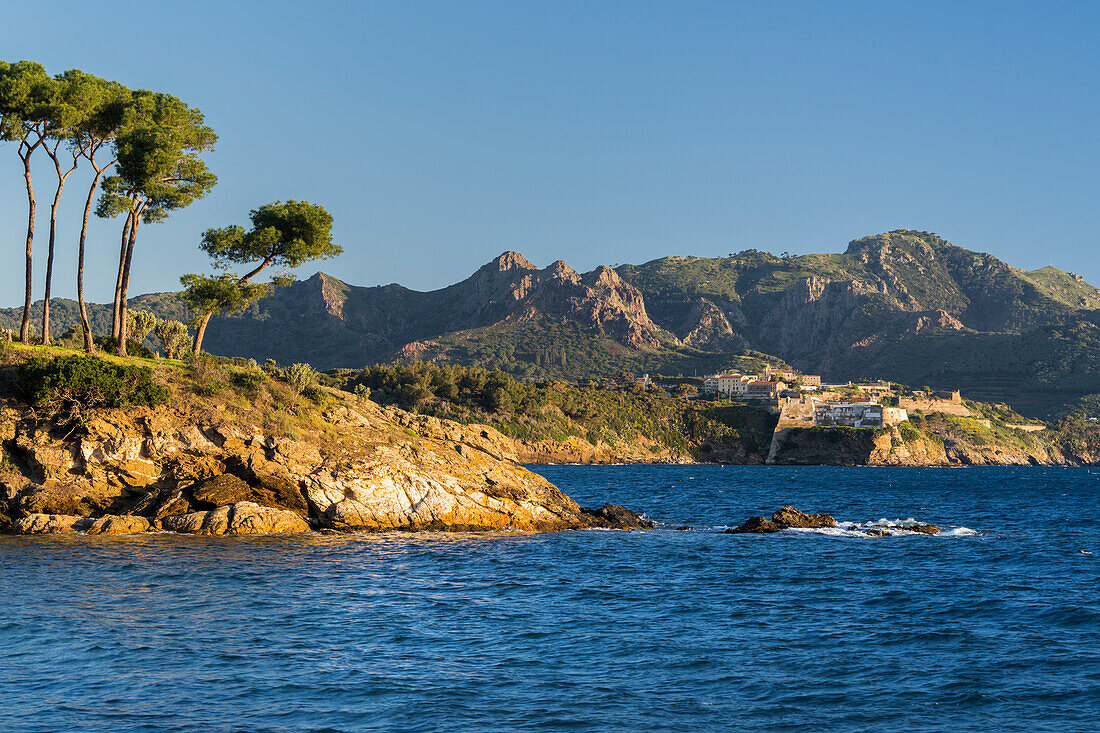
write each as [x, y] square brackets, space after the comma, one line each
[731, 385]
[875, 388]
[742, 387]
[763, 390]
[785, 375]
[857, 414]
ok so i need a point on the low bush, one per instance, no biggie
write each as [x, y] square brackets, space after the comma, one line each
[208, 375]
[248, 381]
[300, 376]
[83, 382]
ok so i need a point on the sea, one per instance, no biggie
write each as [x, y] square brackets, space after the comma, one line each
[994, 624]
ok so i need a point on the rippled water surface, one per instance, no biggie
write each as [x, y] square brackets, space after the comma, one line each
[671, 629]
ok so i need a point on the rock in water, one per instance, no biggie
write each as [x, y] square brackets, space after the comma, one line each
[785, 518]
[244, 517]
[49, 524]
[923, 528]
[788, 516]
[756, 525]
[613, 516]
[115, 524]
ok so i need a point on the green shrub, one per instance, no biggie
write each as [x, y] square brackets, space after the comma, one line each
[208, 375]
[174, 337]
[300, 376]
[909, 433]
[316, 394]
[248, 380]
[133, 348]
[81, 382]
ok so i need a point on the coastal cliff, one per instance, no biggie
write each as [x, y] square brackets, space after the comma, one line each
[217, 460]
[906, 445]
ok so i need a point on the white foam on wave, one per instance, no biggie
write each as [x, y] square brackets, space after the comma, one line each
[837, 531]
[958, 532]
[884, 522]
[894, 528]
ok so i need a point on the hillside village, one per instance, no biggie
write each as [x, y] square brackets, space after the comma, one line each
[803, 398]
[803, 401]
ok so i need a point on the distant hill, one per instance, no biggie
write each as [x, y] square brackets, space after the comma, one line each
[906, 306]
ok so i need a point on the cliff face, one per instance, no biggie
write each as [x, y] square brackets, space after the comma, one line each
[208, 470]
[893, 447]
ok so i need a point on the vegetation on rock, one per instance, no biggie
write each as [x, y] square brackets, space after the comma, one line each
[616, 413]
[65, 383]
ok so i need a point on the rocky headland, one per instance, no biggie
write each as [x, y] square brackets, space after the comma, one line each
[207, 464]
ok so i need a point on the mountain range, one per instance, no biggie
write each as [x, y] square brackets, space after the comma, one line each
[907, 306]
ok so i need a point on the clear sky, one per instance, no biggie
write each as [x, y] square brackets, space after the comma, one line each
[440, 134]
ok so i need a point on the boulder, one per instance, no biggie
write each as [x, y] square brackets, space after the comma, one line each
[119, 524]
[241, 518]
[222, 490]
[613, 516]
[406, 486]
[77, 498]
[756, 525]
[924, 528]
[250, 518]
[173, 502]
[788, 516]
[49, 524]
[275, 489]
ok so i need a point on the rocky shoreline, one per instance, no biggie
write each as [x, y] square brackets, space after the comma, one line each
[810, 447]
[205, 469]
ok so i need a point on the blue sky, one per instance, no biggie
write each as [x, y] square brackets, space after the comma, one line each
[440, 134]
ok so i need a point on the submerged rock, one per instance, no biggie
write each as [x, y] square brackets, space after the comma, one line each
[923, 528]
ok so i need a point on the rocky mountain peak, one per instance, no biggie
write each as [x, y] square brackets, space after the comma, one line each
[561, 271]
[510, 261]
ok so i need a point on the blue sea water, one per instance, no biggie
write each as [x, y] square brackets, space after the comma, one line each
[995, 626]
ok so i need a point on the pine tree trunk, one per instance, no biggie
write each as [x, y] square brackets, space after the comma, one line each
[126, 286]
[89, 346]
[118, 279]
[49, 264]
[201, 333]
[24, 328]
